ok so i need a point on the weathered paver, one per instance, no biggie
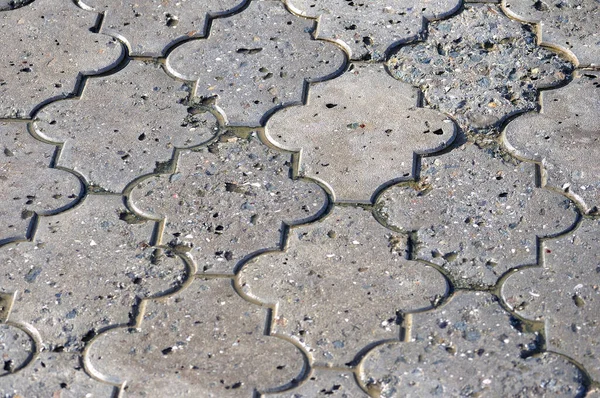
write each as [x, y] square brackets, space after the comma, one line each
[30, 188]
[479, 66]
[149, 28]
[340, 285]
[476, 215]
[227, 201]
[111, 148]
[17, 347]
[40, 59]
[84, 270]
[468, 347]
[325, 383]
[343, 139]
[368, 30]
[206, 339]
[564, 293]
[572, 26]
[564, 137]
[256, 62]
[54, 374]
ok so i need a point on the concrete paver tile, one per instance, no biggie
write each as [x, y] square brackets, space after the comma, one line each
[565, 293]
[54, 374]
[572, 26]
[475, 215]
[565, 138]
[29, 187]
[204, 341]
[227, 201]
[360, 131]
[150, 27]
[16, 348]
[83, 271]
[479, 66]
[340, 285]
[369, 29]
[256, 61]
[468, 347]
[6, 5]
[325, 383]
[124, 124]
[46, 62]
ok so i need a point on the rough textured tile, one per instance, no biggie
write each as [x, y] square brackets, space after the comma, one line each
[54, 374]
[325, 383]
[16, 348]
[149, 27]
[112, 148]
[6, 5]
[84, 270]
[369, 29]
[353, 146]
[226, 202]
[564, 138]
[565, 293]
[475, 215]
[205, 341]
[256, 61]
[572, 26]
[46, 62]
[479, 66]
[340, 285]
[468, 347]
[29, 186]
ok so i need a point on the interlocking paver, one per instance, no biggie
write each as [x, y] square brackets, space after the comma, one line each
[340, 285]
[110, 148]
[564, 138]
[256, 61]
[325, 383]
[468, 347]
[564, 293]
[227, 201]
[29, 187]
[54, 374]
[205, 339]
[150, 27]
[476, 215]
[479, 66]
[343, 138]
[572, 26]
[83, 271]
[16, 348]
[40, 59]
[369, 29]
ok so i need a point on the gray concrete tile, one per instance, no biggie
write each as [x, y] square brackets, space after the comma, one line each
[156, 115]
[148, 28]
[475, 215]
[564, 138]
[369, 29]
[479, 66]
[468, 348]
[54, 374]
[30, 188]
[256, 62]
[46, 62]
[340, 285]
[325, 383]
[83, 271]
[564, 293]
[343, 139]
[226, 202]
[569, 26]
[204, 341]
[16, 347]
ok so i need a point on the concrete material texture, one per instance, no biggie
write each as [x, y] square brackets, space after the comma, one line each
[298, 198]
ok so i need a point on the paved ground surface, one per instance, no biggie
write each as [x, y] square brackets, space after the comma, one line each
[242, 198]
